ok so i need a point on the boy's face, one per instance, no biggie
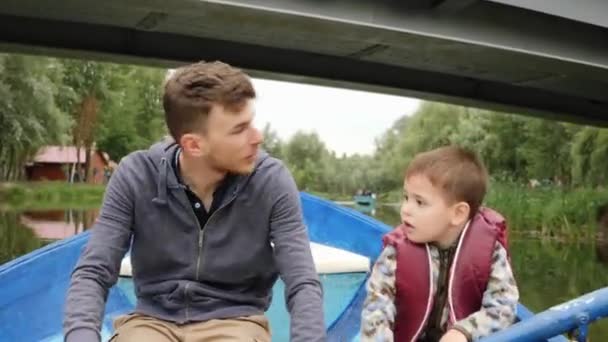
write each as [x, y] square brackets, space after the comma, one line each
[426, 215]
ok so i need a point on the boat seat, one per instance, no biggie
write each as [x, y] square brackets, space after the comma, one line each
[328, 260]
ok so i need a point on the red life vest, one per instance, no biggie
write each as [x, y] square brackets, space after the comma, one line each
[468, 277]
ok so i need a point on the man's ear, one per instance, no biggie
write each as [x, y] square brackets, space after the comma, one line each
[194, 145]
[460, 213]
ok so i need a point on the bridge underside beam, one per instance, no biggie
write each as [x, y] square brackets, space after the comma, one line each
[429, 54]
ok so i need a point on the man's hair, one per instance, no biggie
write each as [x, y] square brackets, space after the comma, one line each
[192, 90]
[456, 171]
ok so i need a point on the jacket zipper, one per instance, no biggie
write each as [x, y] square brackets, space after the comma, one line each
[201, 238]
[444, 266]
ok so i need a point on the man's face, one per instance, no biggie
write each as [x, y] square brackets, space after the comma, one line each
[230, 142]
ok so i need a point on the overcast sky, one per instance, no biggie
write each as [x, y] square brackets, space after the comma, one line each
[347, 121]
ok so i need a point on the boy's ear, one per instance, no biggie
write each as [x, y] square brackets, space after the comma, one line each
[460, 213]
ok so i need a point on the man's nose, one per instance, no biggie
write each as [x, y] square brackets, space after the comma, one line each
[257, 137]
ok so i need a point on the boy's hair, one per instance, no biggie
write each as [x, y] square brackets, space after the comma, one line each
[191, 91]
[456, 171]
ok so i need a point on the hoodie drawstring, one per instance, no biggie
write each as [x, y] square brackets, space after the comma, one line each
[161, 190]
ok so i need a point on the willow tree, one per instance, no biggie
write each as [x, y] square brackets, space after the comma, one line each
[589, 155]
[29, 115]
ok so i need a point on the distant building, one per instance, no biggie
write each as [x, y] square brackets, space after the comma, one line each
[59, 163]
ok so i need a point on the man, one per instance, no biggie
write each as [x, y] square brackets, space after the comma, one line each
[211, 222]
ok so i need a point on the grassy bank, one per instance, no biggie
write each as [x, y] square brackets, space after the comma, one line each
[559, 213]
[49, 195]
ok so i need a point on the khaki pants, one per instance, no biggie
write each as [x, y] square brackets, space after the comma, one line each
[141, 328]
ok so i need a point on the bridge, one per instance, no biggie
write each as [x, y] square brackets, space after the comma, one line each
[542, 58]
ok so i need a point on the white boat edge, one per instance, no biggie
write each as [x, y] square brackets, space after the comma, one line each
[328, 260]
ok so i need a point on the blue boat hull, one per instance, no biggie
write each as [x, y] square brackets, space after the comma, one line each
[34, 286]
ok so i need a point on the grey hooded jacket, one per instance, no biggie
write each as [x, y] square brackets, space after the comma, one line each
[187, 273]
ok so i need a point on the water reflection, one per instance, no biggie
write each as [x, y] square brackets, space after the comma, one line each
[366, 209]
[551, 272]
[23, 232]
[387, 213]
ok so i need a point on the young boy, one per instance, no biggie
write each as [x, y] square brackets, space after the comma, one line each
[444, 274]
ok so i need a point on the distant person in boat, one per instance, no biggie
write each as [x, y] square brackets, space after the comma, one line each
[213, 222]
[444, 274]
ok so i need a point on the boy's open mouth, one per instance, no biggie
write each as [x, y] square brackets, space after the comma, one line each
[408, 225]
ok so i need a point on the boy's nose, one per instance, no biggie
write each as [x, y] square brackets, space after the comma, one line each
[404, 210]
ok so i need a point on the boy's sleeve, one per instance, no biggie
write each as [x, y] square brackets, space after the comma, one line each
[378, 314]
[499, 302]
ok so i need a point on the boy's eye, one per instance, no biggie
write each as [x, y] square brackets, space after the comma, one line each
[419, 202]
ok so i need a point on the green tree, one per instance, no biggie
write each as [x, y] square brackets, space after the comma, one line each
[546, 143]
[133, 116]
[272, 143]
[306, 154]
[29, 115]
[589, 155]
[432, 125]
[89, 82]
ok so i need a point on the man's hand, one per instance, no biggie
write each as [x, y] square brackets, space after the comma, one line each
[453, 335]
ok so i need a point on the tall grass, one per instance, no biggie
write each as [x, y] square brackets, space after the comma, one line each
[551, 212]
[547, 212]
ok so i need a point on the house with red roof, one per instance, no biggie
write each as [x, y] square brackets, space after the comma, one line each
[66, 163]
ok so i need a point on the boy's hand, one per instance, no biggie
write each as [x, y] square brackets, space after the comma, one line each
[453, 335]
